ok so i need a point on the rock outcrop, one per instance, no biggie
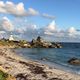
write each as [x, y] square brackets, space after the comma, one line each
[35, 43]
[74, 61]
[40, 43]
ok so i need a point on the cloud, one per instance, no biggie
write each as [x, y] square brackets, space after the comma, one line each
[32, 11]
[19, 10]
[71, 32]
[50, 29]
[6, 24]
[2, 32]
[28, 31]
[16, 9]
[53, 33]
[48, 16]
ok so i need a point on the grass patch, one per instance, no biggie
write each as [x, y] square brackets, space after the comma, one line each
[3, 75]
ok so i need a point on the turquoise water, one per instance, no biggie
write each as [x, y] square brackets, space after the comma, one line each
[57, 57]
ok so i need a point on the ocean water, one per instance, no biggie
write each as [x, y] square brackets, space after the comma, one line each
[54, 57]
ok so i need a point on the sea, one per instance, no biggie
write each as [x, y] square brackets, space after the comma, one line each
[54, 57]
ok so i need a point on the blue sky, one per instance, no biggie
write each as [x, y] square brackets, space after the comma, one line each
[47, 14]
[66, 11]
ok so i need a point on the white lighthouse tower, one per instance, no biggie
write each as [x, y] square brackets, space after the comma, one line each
[11, 38]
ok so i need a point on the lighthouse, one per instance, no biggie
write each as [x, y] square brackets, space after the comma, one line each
[11, 38]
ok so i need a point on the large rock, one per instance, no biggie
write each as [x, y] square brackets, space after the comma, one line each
[74, 61]
[40, 43]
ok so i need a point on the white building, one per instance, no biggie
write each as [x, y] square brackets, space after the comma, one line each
[11, 38]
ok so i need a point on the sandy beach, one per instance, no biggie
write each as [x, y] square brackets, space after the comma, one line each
[31, 70]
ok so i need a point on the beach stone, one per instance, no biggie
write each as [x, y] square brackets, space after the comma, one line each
[21, 76]
[37, 70]
[44, 58]
[74, 61]
[55, 79]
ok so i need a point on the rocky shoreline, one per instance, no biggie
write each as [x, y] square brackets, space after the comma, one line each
[35, 43]
[30, 70]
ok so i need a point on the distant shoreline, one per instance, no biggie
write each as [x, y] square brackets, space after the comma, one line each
[35, 43]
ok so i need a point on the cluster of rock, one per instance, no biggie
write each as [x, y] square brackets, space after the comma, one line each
[74, 61]
[40, 43]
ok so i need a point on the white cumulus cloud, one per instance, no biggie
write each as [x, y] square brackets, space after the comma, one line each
[50, 29]
[32, 11]
[16, 9]
[72, 32]
[6, 24]
[19, 10]
[27, 30]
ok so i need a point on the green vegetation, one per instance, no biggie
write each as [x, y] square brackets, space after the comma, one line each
[3, 76]
[7, 42]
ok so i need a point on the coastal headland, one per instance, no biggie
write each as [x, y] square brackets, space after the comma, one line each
[39, 42]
